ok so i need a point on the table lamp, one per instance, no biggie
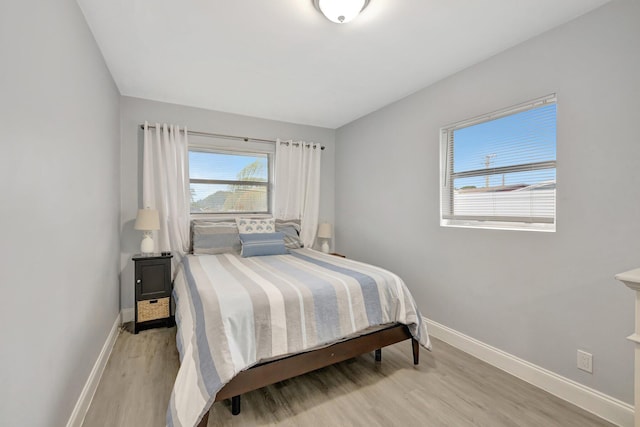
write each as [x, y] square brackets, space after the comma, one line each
[147, 221]
[324, 232]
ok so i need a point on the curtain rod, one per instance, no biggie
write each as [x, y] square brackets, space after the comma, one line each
[234, 137]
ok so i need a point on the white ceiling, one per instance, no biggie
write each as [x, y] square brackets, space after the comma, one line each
[282, 60]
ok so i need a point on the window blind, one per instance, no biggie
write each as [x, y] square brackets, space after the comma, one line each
[499, 170]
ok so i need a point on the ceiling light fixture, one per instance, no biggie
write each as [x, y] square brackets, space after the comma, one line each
[340, 11]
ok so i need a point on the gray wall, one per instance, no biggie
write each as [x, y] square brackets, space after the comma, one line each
[539, 296]
[135, 111]
[59, 214]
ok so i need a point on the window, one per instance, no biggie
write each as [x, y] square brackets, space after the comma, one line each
[499, 170]
[228, 182]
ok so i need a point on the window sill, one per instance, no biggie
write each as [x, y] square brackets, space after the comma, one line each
[497, 225]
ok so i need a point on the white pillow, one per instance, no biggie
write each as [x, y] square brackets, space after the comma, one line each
[256, 225]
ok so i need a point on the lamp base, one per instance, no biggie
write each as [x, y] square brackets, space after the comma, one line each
[146, 247]
[325, 247]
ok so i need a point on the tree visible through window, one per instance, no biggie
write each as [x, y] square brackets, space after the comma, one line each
[229, 183]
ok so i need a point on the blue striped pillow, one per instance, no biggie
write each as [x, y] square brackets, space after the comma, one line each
[260, 244]
[291, 230]
[215, 237]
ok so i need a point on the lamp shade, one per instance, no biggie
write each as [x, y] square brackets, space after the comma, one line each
[147, 220]
[340, 11]
[324, 231]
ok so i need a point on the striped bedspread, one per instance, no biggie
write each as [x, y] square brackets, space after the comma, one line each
[234, 312]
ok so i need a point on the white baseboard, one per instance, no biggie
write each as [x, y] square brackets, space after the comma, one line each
[90, 387]
[127, 315]
[600, 404]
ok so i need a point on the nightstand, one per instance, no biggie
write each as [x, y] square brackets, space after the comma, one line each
[153, 291]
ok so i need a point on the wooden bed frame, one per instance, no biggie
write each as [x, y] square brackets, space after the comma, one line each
[267, 373]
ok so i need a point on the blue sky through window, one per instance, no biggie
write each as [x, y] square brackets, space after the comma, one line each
[206, 165]
[525, 137]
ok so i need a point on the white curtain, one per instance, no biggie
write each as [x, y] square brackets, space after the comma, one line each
[297, 185]
[165, 185]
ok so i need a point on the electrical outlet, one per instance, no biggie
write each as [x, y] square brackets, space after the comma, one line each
[585, 361]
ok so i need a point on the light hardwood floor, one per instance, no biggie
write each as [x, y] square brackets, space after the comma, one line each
[448, 388]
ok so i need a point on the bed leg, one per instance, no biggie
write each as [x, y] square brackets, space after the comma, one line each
[235, 405]
[379, 355]
[203, 422]
[416, 351]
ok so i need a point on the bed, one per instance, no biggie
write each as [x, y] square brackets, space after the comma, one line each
[247, 322]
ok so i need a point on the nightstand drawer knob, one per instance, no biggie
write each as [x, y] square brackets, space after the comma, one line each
[138, 281]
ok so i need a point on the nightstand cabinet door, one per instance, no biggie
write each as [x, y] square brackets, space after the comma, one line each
[152, 290]
[153, 279]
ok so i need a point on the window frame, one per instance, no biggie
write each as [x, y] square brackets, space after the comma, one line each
[225, 148]
[447, 176]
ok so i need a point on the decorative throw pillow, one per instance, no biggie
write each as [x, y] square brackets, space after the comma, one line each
[215, 237]
[291, 230]
[255, 225]
[261, 244]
